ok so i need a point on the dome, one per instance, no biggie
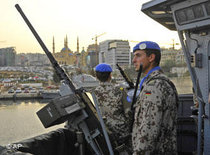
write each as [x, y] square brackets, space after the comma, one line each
[83, 51]
[65, 49]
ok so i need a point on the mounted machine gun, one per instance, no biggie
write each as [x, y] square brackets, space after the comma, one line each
[74, 106]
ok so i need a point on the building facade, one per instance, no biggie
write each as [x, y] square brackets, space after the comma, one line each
[115, 52]
[180, 59]
[32, 59]
[83, 58]
[174, 55]
[7, 56]
[65, 56]
[91, 58]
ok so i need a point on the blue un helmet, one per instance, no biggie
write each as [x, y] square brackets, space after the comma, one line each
[144, 45]
[103, 67]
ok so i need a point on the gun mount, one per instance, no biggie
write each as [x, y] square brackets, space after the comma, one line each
[191, 19]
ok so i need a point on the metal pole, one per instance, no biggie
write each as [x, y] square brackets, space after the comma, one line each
[197, 90]
[102, 125]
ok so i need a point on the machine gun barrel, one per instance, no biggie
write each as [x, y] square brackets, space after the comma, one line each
[88, 120]
[127, 79]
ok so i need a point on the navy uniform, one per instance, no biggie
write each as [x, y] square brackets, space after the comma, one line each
[154, 126]
[109, 98]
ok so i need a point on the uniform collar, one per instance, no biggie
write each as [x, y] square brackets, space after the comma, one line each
[152, 72]
[152, 75]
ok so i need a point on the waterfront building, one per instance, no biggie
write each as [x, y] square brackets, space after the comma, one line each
[91, 59]
[7, 56]
[21, 59]
[167, 54]
[115, 51]
[32, 59]
[180, 59]
[78, 57]
[83, 58]
[65, 56]
[174, 55]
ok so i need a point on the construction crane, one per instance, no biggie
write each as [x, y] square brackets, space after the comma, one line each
[96, 45]
[134, 41]
[96, 37]
[171, 44]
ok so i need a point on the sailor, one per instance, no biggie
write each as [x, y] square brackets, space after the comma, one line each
[155, 111]
[109, 98]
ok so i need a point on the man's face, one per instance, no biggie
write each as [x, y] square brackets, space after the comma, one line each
[140, 57]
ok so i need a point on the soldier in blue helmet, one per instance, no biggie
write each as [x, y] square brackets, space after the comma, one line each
[155, 111]
[103, 67]
[109, 97]
[103, 72]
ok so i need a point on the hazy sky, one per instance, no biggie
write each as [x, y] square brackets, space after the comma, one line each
[120, 19]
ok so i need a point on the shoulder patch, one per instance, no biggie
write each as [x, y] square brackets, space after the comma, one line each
[148, 93]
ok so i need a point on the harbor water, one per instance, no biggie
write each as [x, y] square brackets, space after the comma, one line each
[18, 119]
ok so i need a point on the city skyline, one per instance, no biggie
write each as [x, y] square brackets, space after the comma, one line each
[84, 19]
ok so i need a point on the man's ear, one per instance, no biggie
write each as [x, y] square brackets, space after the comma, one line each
[110, 77]
[152, 57]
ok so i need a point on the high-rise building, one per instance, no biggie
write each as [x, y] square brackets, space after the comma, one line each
[91, 59]
[7, 56]
[32, 59]
[114, 52]
[174, 55]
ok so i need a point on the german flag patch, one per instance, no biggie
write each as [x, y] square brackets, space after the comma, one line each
[148, 93]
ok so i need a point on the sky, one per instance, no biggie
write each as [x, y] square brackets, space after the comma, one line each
[118, 19]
